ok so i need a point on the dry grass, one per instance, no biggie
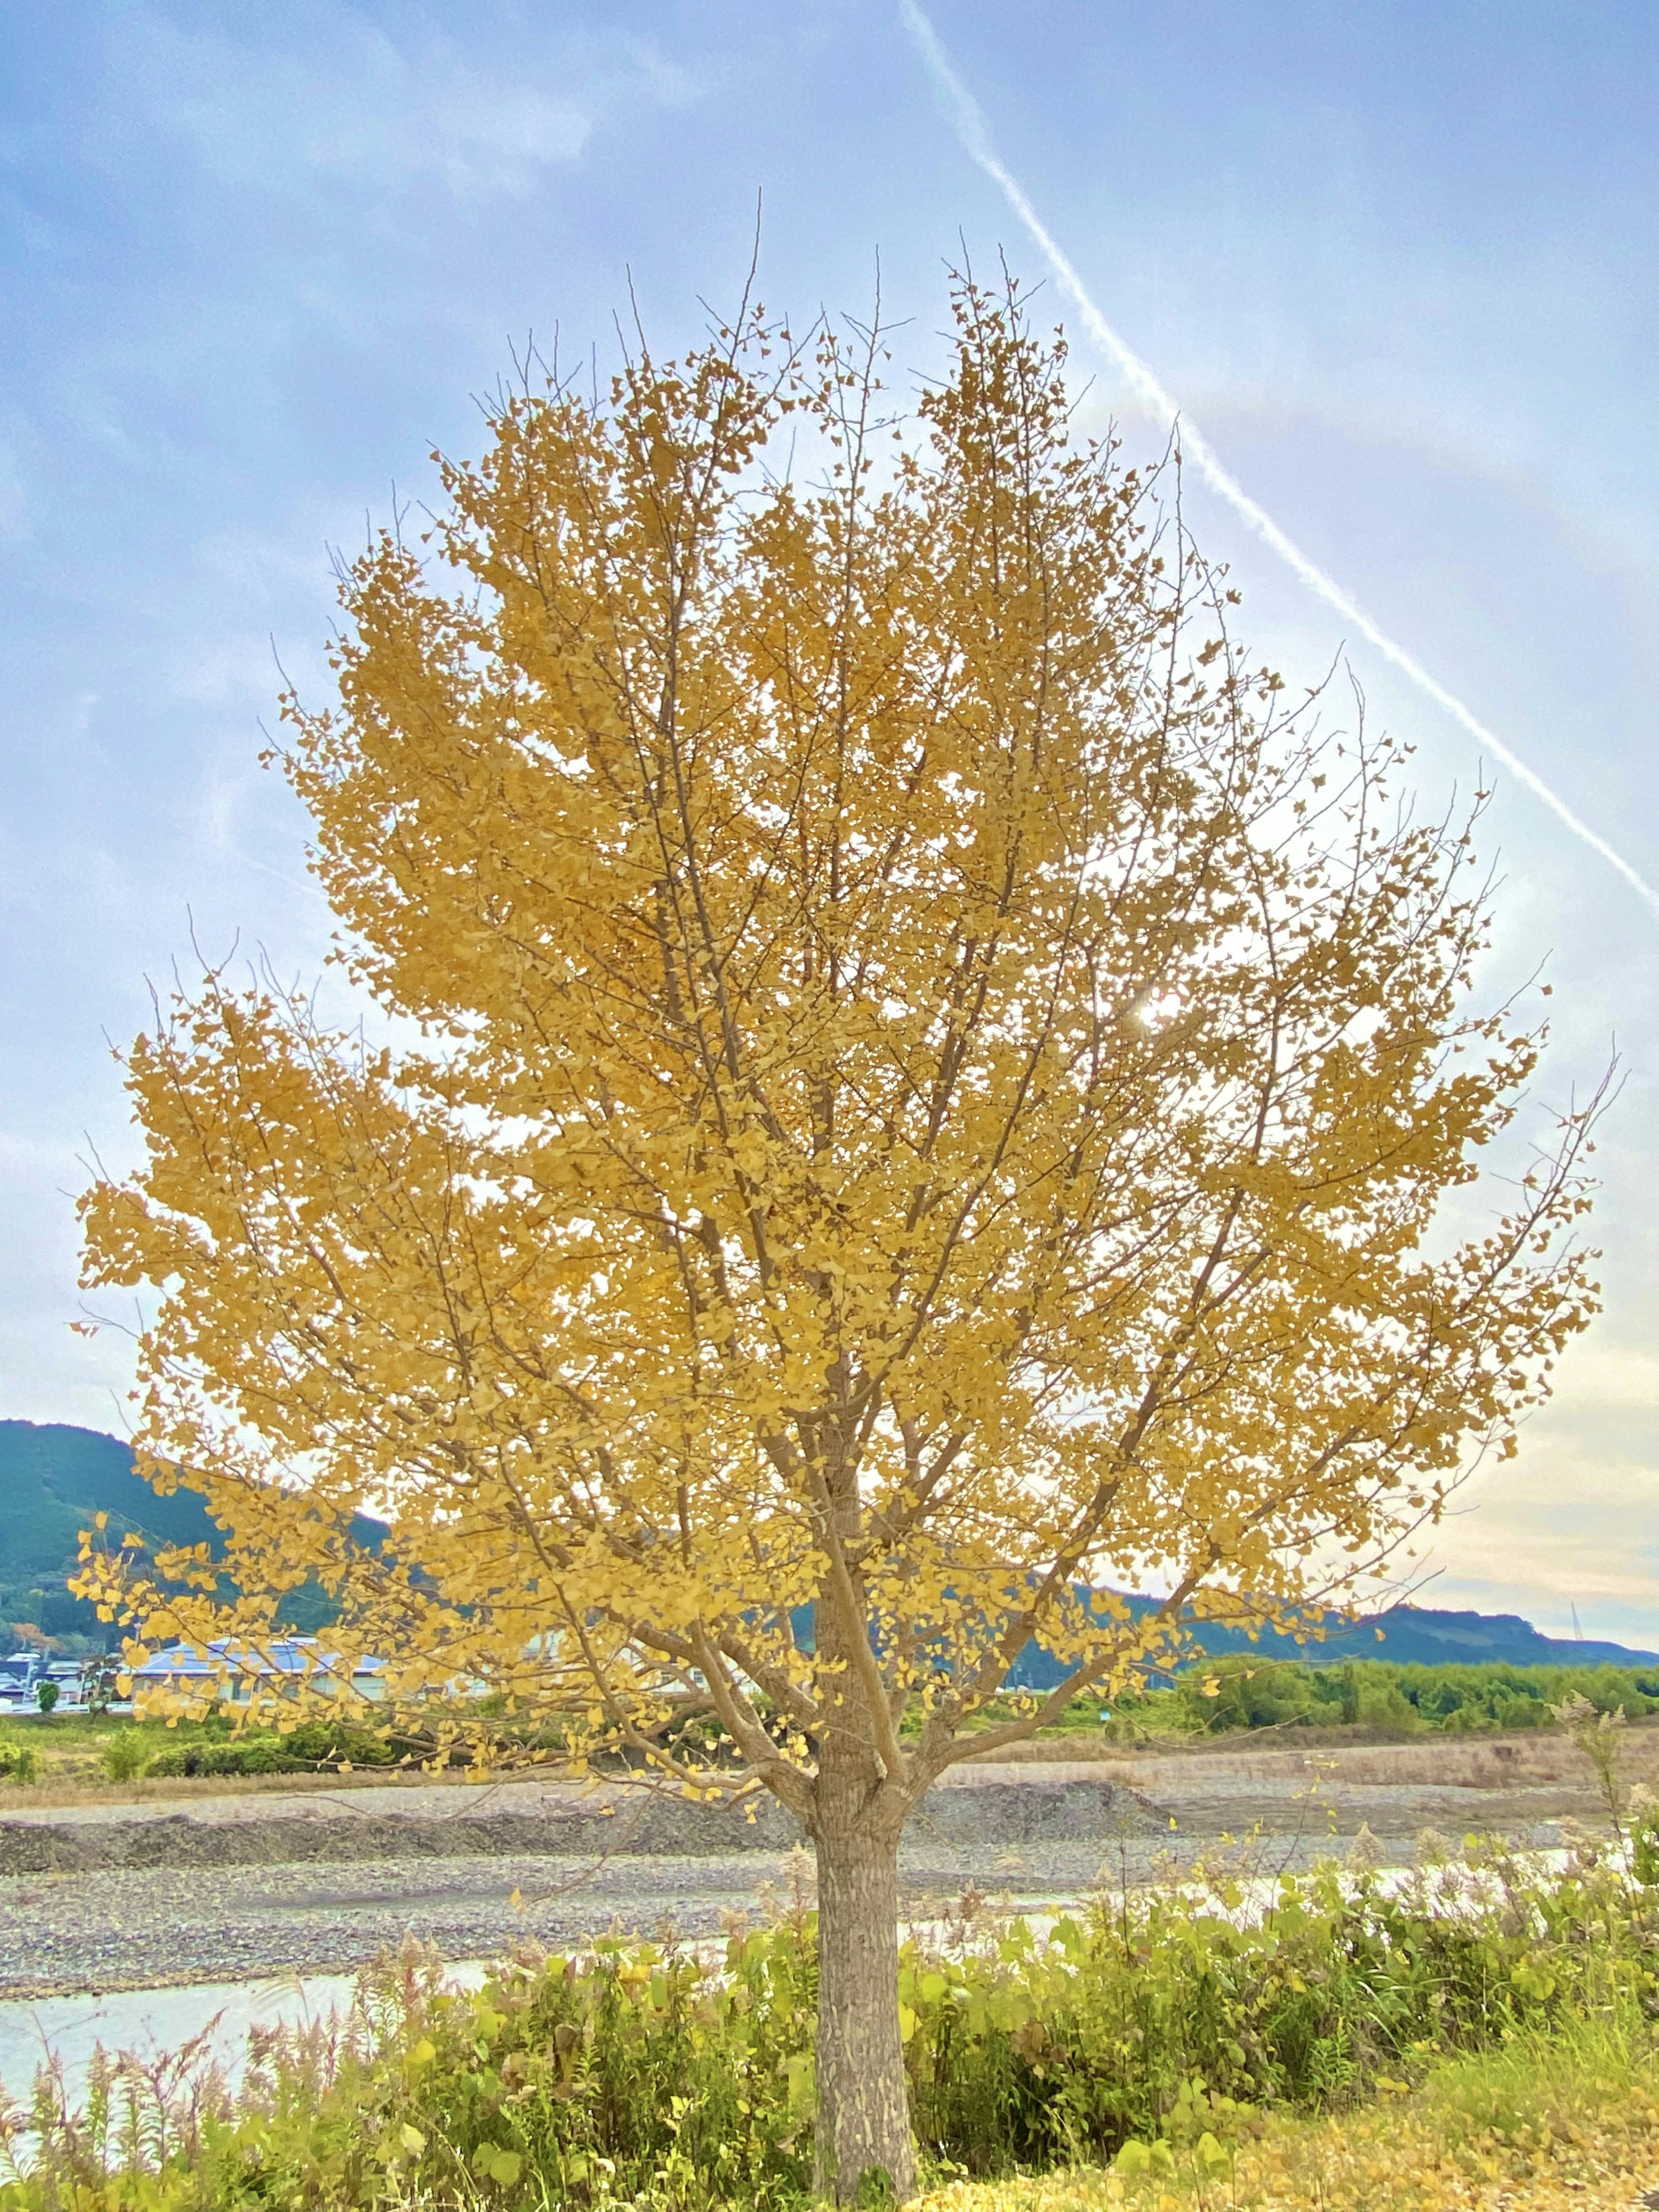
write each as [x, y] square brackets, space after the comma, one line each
[1517, 1762]
[1531, 1759]
[60, 1792]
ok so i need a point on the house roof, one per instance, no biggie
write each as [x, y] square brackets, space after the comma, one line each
[290, 1655]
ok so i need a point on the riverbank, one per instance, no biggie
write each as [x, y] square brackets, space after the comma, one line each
[136, 1891]
[115, 1896]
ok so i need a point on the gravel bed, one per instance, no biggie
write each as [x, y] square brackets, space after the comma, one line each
[121, 1897]
[139, 1927]
[531, 1820]
[132, 1928]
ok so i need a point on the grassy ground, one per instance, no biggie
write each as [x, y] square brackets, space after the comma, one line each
[69, 1757]
[66, 1746]
[1539, 2125]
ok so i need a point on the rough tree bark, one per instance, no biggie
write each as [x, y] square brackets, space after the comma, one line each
[864, 2119]
[859, 1802]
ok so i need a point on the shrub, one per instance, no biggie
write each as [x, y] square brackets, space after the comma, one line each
[124, 1756]
[17, 1761]
[1241, 1691]
[338, 1744]
[1385, 1705]
[1164, 2017]
[45, 1696]
[322, 1744]
[248, 1755]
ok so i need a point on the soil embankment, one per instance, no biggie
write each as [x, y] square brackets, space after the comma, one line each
[533, 1819]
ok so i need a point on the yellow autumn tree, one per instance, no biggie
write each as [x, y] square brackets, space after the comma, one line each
[909, 1084]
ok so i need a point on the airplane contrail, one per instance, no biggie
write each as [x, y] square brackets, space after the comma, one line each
[975, 135]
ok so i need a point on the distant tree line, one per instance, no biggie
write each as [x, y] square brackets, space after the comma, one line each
[1221, 1697]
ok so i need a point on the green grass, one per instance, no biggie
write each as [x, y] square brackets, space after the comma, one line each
[1540, 2078]
[76, 1750]
[1539, 2123]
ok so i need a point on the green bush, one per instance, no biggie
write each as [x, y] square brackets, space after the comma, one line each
[338, 1743]
[249, 1754]
[17, 1761]
[317, 1745]
[124, 1756]
[1385, 1705]
[1167, 2017]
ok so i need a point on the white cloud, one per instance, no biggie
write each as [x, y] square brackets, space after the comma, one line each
[479, 139]
[1596, 1374]
[383, 115]
[1573, 1522]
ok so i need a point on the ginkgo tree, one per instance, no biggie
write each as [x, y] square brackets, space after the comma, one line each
[909, 1082]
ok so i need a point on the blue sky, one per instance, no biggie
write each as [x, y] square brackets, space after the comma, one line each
[1400, 263]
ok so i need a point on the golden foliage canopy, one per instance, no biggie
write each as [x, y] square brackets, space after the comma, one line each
[910, 1083]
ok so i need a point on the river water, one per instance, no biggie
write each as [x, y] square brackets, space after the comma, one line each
[150, 2021]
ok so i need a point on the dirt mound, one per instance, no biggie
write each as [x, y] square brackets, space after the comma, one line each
[1009, 1815]
[1004, 1815]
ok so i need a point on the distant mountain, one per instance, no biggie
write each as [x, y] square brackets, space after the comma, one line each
[53, 1479]
[1410, 1635]
[1419, 1636]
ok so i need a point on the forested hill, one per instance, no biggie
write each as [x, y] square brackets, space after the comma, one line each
[1408, 1635]
[53, 1479]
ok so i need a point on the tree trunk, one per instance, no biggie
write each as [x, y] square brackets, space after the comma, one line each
[864, 2115]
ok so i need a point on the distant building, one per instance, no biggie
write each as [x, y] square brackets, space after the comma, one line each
[235, 1666]
[20, 1675]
